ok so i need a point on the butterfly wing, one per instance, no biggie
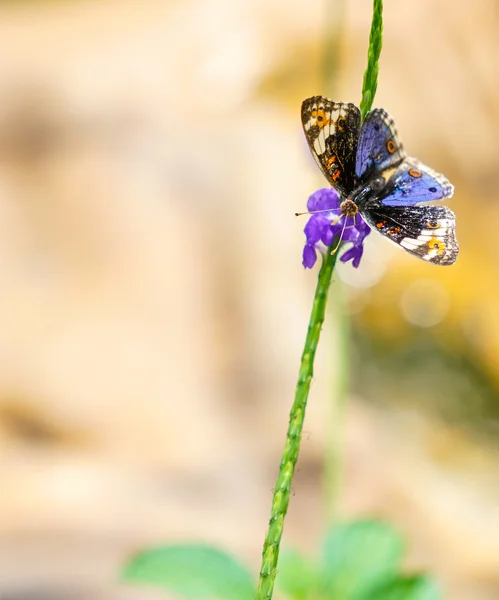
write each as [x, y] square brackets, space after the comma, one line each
[379, 146]
[428, 232]
[332, 132]
[414, 182]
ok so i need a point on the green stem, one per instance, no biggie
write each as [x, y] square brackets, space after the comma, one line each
[282, 488]
[375, 43]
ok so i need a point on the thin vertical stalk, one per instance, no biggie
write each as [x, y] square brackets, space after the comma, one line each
[370, 83]
[282, 490]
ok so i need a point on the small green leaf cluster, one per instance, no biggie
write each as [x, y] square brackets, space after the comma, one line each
[360, 560]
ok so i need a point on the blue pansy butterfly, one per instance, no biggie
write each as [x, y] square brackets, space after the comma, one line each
[368, 167]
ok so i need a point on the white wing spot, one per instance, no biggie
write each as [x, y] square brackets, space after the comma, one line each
[319, 145]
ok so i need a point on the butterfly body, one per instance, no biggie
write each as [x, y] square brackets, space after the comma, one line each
[368, 166]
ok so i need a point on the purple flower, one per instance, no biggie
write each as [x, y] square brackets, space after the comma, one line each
[319, 229]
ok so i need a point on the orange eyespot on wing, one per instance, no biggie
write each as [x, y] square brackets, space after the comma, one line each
[415, 173]
[380, 147]
[321, 119]
[436, 244]
[390, 146]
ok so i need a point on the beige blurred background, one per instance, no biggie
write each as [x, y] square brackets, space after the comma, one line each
[153, 305]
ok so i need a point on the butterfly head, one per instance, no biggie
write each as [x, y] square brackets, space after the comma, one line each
[348, 208]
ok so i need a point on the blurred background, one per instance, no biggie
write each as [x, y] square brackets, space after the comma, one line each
[153, 305]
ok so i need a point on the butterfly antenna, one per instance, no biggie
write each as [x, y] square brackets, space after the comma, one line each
[336, 248]
[313, 212]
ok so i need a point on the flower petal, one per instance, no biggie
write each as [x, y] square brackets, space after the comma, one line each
[313, 230]
[351, 232]
[338, 228]
[309, 256]
[354, 254]
[323, 199]
[327, 236]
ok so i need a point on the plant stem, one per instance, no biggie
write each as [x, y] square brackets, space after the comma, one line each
[375, 43]
[282, 488]
[280, 501]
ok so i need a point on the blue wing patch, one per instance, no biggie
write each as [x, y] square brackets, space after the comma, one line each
[414, 182]
[379, 145]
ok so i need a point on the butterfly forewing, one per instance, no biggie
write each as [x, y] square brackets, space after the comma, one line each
[379, 146]
[428, 232]
[332, 131]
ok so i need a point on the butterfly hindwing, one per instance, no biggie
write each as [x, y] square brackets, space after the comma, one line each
[428, 232]
[379, 146]
[414, 182]
[332, 131]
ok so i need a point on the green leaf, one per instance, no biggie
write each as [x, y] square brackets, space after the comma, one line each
[357, 555]
[415, 587]
[192, 571]
[297, 578]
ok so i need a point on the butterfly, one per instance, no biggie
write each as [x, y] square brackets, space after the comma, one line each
[367, 165]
